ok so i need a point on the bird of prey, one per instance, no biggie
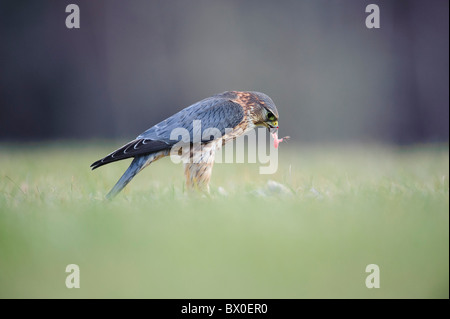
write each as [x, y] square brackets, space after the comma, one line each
[231, 113]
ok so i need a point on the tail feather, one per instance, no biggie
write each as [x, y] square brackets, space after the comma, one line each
[137, 165]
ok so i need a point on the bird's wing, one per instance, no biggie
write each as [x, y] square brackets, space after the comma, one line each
[132, 149]
[214, 112]
[219, 113]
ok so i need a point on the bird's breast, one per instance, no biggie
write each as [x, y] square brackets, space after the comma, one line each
[245, 126]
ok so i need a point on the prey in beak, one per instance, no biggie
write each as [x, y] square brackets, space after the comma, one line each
[277, 140]
[272, 126]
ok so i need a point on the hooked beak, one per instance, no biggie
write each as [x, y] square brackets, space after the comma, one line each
[272, 126]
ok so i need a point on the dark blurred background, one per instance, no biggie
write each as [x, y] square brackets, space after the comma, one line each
[133, 63]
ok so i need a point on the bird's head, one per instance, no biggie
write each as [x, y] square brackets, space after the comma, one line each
[264, 112]
[270, 119]
[260, 109]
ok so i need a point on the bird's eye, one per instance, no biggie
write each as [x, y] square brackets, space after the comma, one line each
[270, 116]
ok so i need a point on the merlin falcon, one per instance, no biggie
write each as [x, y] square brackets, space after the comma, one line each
[232, 113]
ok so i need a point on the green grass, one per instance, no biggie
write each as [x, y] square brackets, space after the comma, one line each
[351, 206]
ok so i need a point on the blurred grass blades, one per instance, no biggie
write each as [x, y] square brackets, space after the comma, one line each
[348, 206]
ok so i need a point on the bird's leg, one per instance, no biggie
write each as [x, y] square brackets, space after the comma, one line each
[198, 176]
[199, 168]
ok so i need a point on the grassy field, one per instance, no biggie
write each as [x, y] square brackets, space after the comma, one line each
[347, 207]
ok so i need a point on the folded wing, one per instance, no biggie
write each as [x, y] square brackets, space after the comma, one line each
[215, 112]
[132, 149]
